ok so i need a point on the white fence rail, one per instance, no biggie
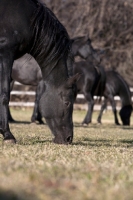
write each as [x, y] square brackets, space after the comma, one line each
[31, 104]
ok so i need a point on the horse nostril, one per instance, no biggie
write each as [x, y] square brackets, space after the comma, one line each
[69, 140]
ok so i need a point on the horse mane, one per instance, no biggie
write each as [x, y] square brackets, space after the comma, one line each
[50, 38]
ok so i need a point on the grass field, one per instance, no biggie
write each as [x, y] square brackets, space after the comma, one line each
[98, 166]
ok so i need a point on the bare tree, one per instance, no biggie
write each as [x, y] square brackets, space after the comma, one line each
[109, 24]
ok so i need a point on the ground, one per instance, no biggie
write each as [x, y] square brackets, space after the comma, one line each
[97, 166]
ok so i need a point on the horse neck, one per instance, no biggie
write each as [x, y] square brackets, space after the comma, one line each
[55, 76]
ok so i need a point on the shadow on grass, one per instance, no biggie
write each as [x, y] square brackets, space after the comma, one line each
[42, 141]
[97, 125]
[105, 142]
[33, 142]
[94, 142]
[20, 122]
[127, 127]
[26, 122]
[10, 195]
[129, 143]
[85, 142]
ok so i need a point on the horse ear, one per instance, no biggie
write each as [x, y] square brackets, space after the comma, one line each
[72, 80]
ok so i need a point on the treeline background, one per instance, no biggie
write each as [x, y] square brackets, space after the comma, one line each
[108, 23]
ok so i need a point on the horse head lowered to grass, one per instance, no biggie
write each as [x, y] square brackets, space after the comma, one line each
[117, 86]
[92, 78]
[28, 26]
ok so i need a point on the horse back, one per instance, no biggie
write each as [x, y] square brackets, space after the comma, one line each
[15, 24]
[117, 85]
[89, 76]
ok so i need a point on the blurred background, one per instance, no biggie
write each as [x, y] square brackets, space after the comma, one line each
[108, 23]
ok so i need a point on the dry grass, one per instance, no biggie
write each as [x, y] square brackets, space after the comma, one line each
[99, 164]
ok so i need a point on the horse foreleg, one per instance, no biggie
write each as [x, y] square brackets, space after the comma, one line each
[103, 107]
[113, 104]
[88, 116]
[36, 116]
[5, 72]
[10, 118]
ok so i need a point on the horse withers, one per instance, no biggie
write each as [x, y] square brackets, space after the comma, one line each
[28, 26]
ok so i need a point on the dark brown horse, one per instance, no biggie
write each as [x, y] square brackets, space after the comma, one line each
[93, 76]
[117, 86]
[28, 26]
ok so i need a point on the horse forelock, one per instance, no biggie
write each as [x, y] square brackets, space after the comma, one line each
[50, 38]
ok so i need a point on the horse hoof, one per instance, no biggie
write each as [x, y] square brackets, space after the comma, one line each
[99, 122]
[11, 141]
[32, 123]
[84, 124]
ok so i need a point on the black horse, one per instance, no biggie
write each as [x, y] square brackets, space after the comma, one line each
[28, 26]
[93, 76]
[27, 71]
[92, 79]
[116, 85]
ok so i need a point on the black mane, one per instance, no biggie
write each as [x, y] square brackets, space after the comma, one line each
[51, 40]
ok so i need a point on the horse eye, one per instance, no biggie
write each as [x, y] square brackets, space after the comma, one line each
[67, 103]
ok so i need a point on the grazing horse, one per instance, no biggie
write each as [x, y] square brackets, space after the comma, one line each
[28, 26]
[91, 79]
[26, 71]
[116, 85]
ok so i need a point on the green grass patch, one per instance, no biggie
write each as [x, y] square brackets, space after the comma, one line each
[98, 165]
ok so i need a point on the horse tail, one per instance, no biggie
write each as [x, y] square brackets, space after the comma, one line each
[126, 86]
[99, 86]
